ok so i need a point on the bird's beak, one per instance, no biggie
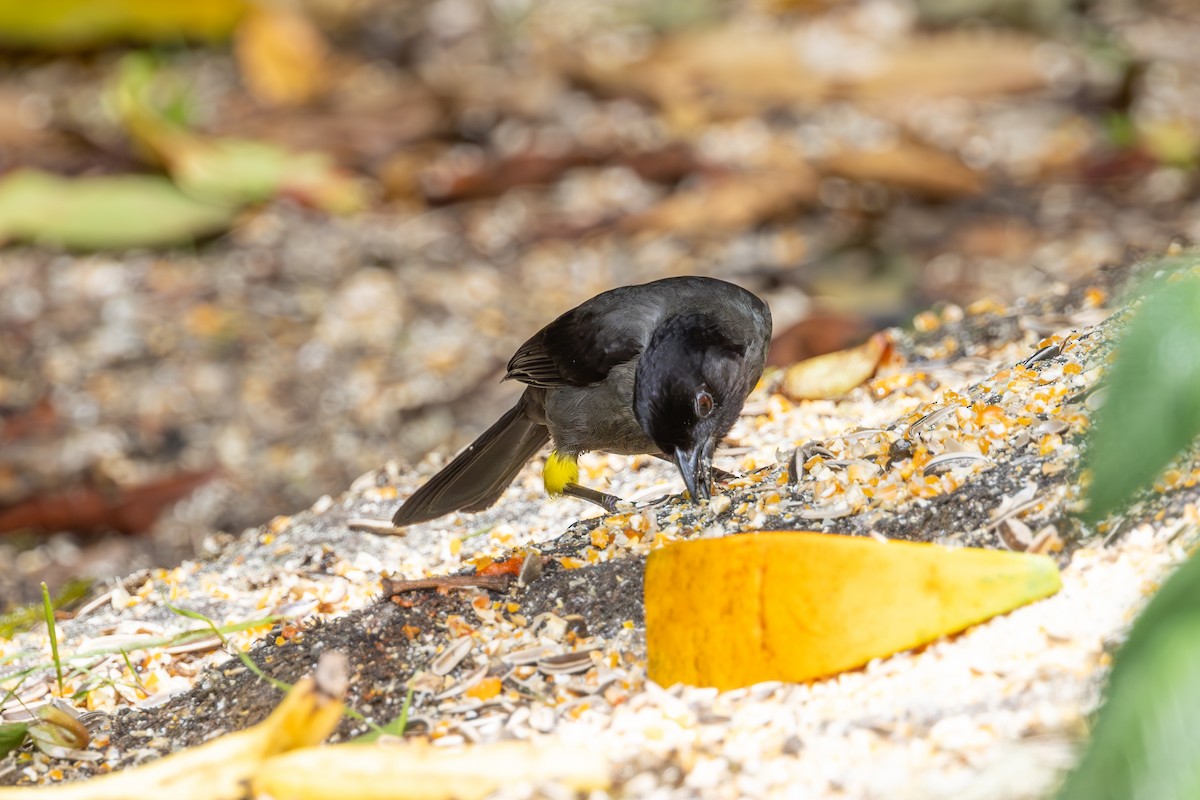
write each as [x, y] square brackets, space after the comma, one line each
[695, 464]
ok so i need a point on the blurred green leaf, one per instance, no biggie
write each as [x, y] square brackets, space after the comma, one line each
[246, 171]
[1032, 14]
[12, 736]
[226, 170]
[67, 24]
[23, 617]
[1151, 412]
[1173, 141]
[103, 213]
[1144, 743]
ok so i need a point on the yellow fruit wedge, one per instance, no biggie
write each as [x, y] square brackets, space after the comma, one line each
[797, 606]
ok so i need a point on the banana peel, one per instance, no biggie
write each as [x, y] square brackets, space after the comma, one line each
[279, 759]
[216, 770]
[798, 606]
[419, 771]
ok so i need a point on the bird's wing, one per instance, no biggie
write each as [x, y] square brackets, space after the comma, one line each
[577, 349]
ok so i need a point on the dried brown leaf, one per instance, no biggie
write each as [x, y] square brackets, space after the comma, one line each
[723, 72]
[282, 56]
[817, 334]
[736, 71]
[908, 165]
[355, 135]
[492, 178]
[91, 510]
[959, 64]
[835, 374]
[728, 202]
[1009, 238]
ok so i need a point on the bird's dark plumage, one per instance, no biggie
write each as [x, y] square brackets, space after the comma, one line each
[478, 475]
[661, 368]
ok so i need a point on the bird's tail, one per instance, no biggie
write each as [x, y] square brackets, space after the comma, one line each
[478, 475]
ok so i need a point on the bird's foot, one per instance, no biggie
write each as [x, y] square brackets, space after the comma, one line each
[609, 502]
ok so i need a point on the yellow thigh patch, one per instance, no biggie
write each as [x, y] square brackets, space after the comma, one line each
[560, 470]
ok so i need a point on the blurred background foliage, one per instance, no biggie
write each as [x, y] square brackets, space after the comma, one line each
[1141, 744]
[252, 250]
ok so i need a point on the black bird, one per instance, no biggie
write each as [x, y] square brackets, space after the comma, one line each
[660, 368]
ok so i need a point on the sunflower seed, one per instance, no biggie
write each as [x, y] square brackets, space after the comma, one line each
[470, 679]
[1045, 353]
[451, 657]
[528, 655]
[834, 511]
[566, 663]
[94, 604]
[531, 569]
[1054, 425]
[862, 433]
[1015, 534]
[198, 646]
[948, 461]
[379, 526]
[800, 457]
[931, 420]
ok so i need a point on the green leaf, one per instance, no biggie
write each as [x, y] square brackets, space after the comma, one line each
[225, 170]
[1151, 412]
[12, 736]
[104, 213]
[1144, 743]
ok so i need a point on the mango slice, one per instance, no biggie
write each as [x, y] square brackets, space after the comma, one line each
[797, 606]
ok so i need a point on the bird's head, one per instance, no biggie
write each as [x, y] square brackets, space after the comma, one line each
[691, 382]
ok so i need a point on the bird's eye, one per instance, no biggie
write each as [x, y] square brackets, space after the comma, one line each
[704, 404]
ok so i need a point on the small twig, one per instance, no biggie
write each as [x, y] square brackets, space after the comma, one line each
[493, 583]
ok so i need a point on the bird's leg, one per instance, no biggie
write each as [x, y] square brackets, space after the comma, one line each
[719, 475]
[561, 476]
[606, 501]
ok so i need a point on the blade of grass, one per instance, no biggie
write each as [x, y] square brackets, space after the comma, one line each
[137, 679]
[48, 612]
[243, 657]
[259, 673]
[480, 532]
[93, 679]
[397, 726]
[21, 675]
[23, 617]
[394, 728]
[150, 643]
